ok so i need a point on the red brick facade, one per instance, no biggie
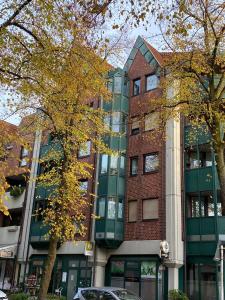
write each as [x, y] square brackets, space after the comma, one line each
[144, 186]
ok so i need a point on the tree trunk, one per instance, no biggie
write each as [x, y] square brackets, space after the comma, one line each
[221, 173]
[49, 264]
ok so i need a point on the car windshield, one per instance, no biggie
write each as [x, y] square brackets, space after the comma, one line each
[125, 295]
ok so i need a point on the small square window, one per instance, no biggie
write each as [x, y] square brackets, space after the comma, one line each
[136, 87]
[132, 211]
[151, 121]
[150, 209]
[135, 126]
[151, 162]
[152, 82]
[134, 166]
[85, 149]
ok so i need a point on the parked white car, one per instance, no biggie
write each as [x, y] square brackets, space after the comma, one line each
[104, 293]
[3, 296]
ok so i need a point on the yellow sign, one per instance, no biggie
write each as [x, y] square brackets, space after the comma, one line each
[89, 247]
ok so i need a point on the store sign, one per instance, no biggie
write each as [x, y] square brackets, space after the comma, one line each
[89, 249]
[7, 252]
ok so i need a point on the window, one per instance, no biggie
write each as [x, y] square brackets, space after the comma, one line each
[135, 126]
[151, 121]
[136, 87]
[150, 209]
[134, 166]
[105, 296]
[113, 165]
[90, 294]
[84, 185]
[193, 206]
[104, 164]
[23, 156]
[116, 121]
[85, 149]
[111, 208]
[132, 211]
[101, 207]
[120, 209]
[151, 162]
[207, 204]
[117, 84]
[152, 82]
[192, 161]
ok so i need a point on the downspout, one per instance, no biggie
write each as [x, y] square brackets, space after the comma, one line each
[183, 201]
[92, 223]
[32, 184]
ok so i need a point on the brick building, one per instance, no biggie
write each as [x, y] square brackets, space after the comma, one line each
[155, 189]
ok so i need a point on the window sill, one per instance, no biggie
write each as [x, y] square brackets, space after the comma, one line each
[152, 172]
[149, 220]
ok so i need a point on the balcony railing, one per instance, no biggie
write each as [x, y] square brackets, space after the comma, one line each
[9, 235]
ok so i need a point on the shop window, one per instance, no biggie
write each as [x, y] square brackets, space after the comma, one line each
[152, 82]
[148, 279]
[104, 164]
[135, 126]
[132, 211]
[113, 165]
[111, 214]
[208, 282]
[133, 166]
[151, 121]
[117, 268]
[150, 209]
[73, 263]
[85, 149]
[136, 86]
[101, 207]
[151, 163]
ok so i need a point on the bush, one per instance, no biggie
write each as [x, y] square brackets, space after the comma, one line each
[55, 297]
[16, 191]
[18, 296]
[177, 295]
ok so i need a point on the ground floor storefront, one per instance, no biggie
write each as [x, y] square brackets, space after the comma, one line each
[69, 273]
[203, 278]
[143, 275]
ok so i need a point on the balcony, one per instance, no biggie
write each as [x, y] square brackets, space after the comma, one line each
[14, 202]
[201, 179]
[196, 135]
[39, 235]
[203, 234]
[9, 235]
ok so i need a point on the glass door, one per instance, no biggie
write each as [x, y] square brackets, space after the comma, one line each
[72, 284]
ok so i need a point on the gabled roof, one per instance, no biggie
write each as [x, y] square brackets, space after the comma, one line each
[150, 53]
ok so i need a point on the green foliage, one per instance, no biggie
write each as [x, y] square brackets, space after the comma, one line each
[177, 295]
[55, 297]
[18, 296]
[16, 191]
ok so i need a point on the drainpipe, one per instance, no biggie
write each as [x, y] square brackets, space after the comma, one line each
[184, 203]
[221, 272]
[97, 156]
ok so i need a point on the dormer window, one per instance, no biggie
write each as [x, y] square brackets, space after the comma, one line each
[152, 82]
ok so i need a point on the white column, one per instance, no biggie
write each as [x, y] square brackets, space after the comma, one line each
[173, 201]
[99, 276]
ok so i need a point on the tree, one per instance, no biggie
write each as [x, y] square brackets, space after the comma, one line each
[194, 34]
[53, 62]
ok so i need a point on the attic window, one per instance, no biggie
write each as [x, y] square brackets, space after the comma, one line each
[152, 82]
